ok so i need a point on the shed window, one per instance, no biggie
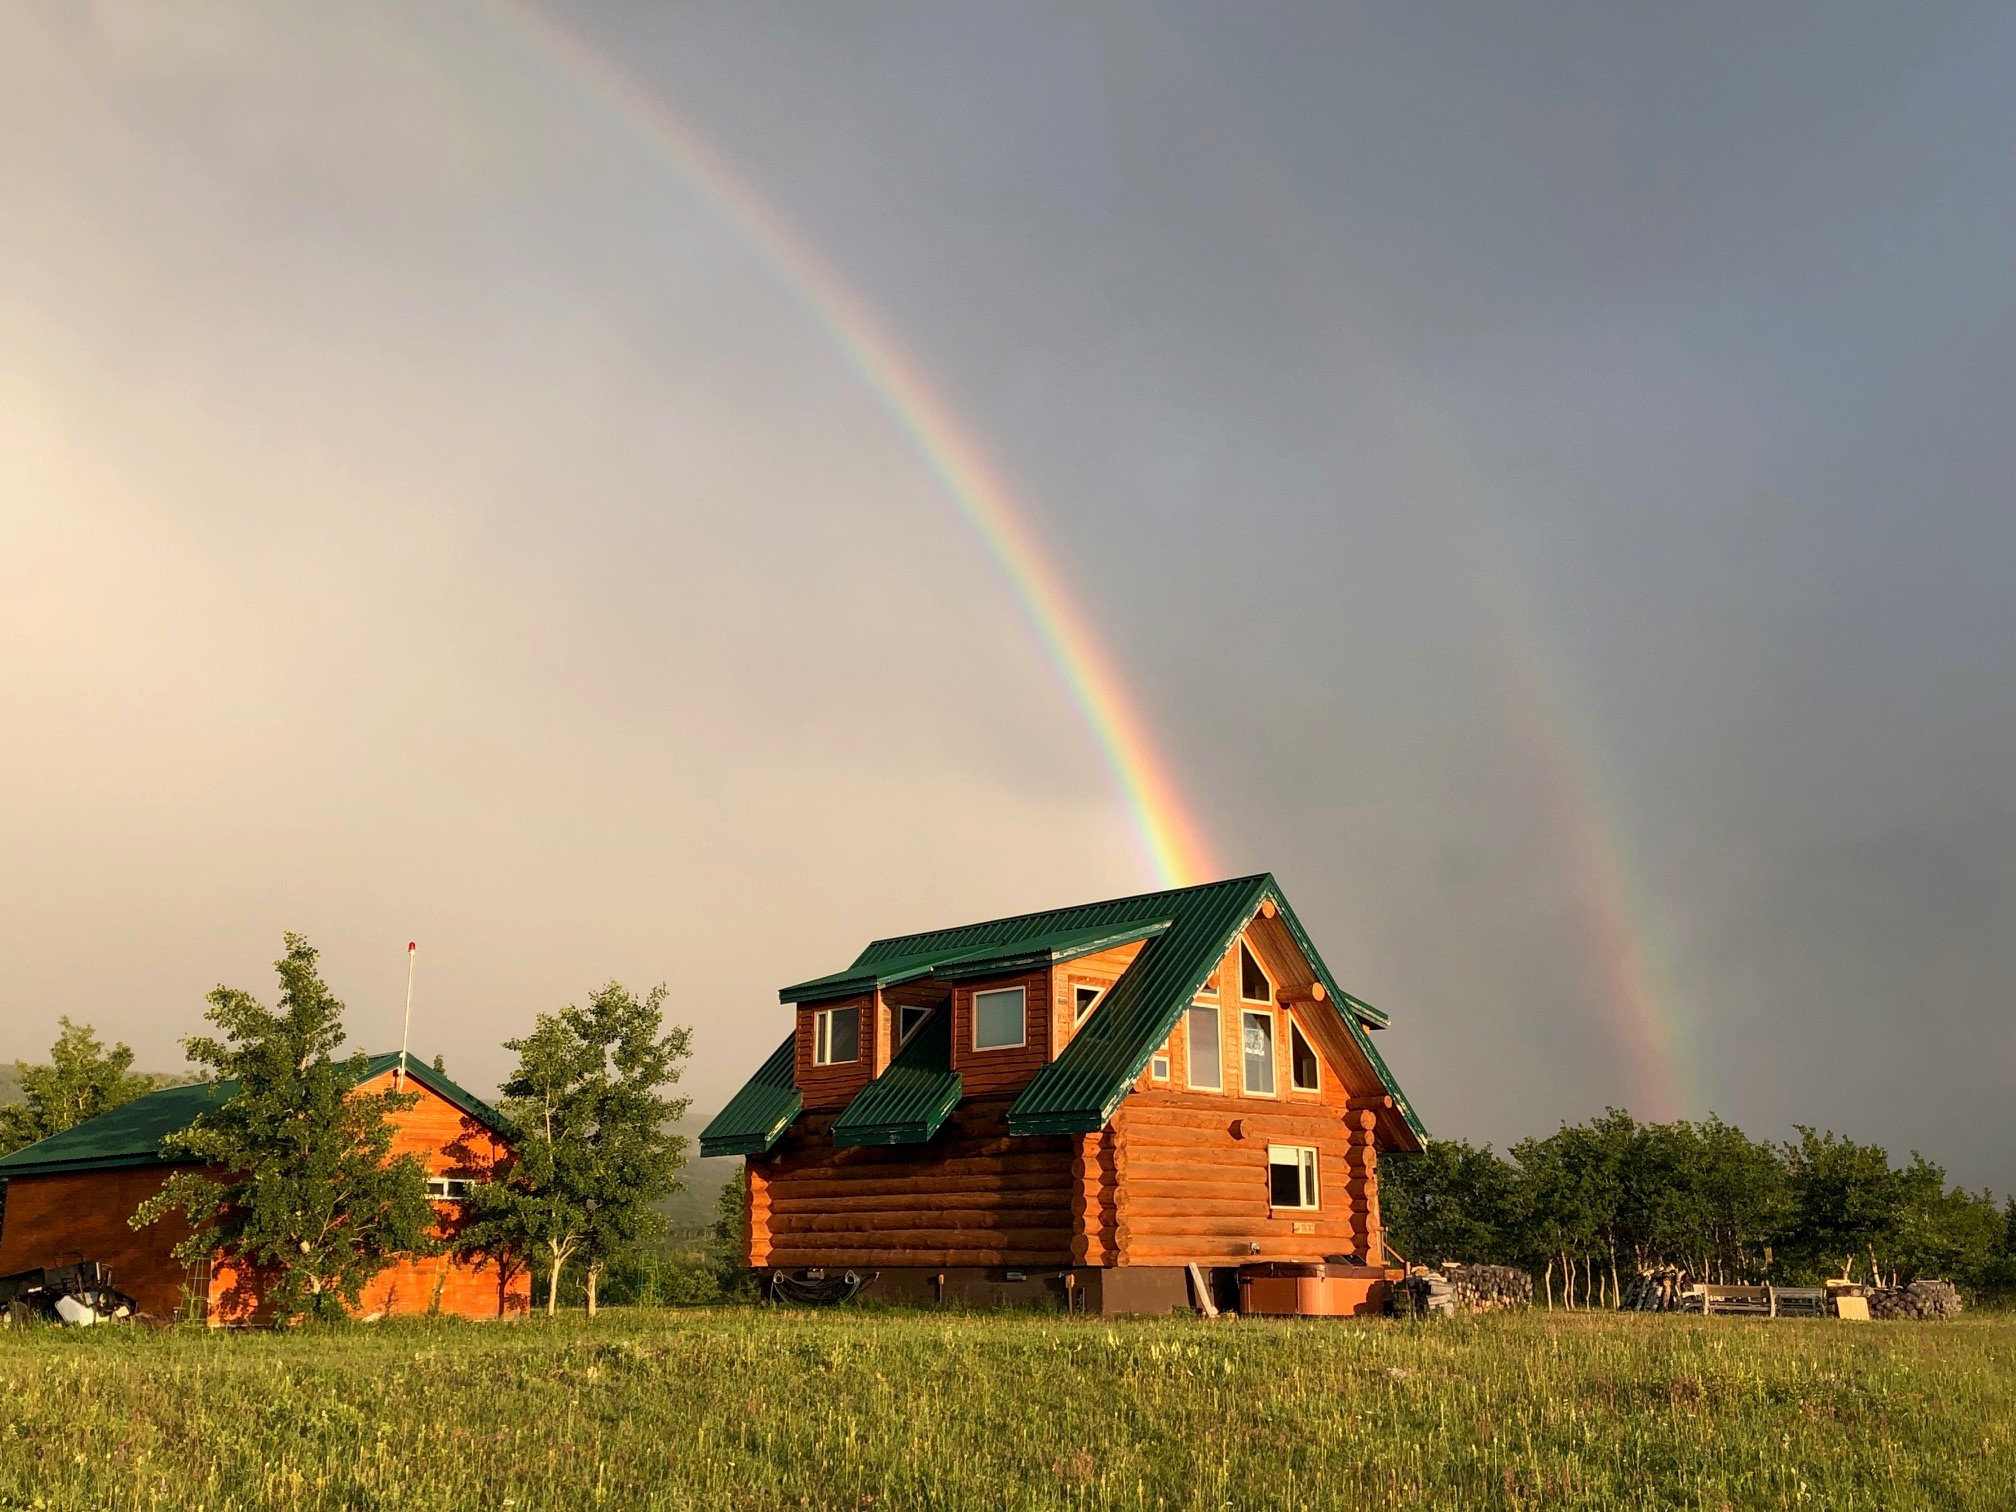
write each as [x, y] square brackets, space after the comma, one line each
[836, 1036]
[1206, 1069]
[1084, 1000]
[1253, 984]
[909, 1019]
[999, 1019]
[447, 1188]
[1256, 1049]
[1291, 1176]
[1305, 1071]
[1158, 1068]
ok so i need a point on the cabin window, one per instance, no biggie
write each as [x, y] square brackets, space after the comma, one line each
[999, 1019]
[909, 1019]
[1206, 1070]
[1253, 984]
[1291, 1176]
[1158, 1068]
[836, 1036]
[1305, 1072]
[1256, 1049]
[447, 1188]
[1084, 1000]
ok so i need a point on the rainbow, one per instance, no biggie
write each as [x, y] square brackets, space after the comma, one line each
[1644, 1006]
[1170, 842]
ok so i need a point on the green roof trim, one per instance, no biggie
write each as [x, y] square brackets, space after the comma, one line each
[131, 1134]
[757, 1116]
[911, 1100]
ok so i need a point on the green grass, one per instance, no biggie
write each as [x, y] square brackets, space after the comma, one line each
[753, 1409]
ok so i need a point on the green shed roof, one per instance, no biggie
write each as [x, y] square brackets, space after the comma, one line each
[875, 969]
[131, 1134]
[909, 1101]
[757, 1116]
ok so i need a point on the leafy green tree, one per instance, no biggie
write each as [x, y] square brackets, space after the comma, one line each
[82, 1080]
[1846, 1200]
[634, 1157]
[592, 1150]
[1456, 1201]
[298, 1184]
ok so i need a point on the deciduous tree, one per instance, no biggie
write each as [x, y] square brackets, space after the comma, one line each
[298, 1185]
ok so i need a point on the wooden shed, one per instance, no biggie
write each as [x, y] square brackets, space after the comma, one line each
[1082, 1104]
[69, 1198]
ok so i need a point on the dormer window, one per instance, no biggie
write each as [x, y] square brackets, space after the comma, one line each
[1084, 1000]
[836, 1036]
[1253, 984]
[1000, 1021]
[909, 1019]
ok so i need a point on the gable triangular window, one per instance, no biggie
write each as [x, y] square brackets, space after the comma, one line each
[1253, 984]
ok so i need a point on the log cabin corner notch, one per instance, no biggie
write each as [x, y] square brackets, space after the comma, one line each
[1086, 1103]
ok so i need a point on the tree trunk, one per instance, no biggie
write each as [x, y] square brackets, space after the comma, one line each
[1550, 1283]
[594, 1275]
[1616, 1291]
[553, 1282]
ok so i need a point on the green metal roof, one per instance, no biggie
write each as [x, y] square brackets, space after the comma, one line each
[1077, 1092]
[131, 1134]
[908, 1102]
[959, 962]
[757, 1116]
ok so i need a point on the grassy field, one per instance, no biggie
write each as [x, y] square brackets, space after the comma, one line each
[750, 1409]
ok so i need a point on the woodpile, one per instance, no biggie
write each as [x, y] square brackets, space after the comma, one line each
[1920, 1300]
[1657, 1290]
[1468, 1288]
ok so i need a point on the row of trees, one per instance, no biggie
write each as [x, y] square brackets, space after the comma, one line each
[1594, 1203]
[297, 1179]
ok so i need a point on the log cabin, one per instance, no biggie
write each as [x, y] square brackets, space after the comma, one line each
[70, 1196]
[1120, 1106]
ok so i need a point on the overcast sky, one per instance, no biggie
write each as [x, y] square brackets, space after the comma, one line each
[1545, 473]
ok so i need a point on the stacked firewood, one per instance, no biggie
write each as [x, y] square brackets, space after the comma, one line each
[1657, 1290]
[1468, 1288]
[1921, 1299]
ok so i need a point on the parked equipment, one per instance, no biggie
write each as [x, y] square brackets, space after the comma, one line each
[77, 1295]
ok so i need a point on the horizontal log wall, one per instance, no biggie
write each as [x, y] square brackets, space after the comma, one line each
[972, 1196]
[1192, 1181]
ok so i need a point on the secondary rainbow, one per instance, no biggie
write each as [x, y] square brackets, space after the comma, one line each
[1170, 841]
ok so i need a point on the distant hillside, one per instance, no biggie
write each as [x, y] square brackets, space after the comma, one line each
[10, 1083]
[692, 1207]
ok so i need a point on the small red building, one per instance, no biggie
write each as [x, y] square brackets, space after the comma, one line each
[69, 1199]
[1105, 1105]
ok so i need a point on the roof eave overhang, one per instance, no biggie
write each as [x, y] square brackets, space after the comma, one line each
[752, 1144]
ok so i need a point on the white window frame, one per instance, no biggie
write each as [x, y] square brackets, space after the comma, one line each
[822, 1036]
[1273, 1089]
[1022, 1019]
[448, 1188]
[1082, 1010]
[1295, 1033]
[1305, 1160]
[1158, 1064]
[903, 1035]
[1247, 952]
[1217, 1060]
